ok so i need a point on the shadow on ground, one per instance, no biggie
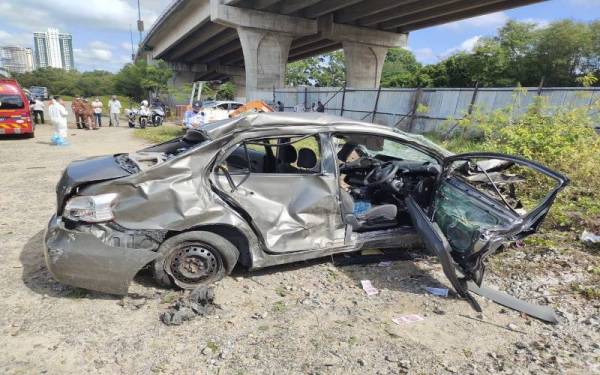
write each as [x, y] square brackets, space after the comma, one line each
[402, 275]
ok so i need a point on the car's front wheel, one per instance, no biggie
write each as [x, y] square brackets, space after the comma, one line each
[194, 259]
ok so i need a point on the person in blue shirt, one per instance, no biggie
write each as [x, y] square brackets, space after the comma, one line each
[194, 118]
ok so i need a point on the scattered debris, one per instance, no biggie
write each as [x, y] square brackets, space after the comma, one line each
[200, 302]
[440, 292]
[407, 319]
[368, 287]
[589, 238]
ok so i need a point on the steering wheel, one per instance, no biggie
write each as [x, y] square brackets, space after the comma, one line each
[381, 173]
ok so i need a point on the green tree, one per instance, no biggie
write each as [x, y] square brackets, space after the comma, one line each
[226, 91]
[155, 76]
[128, 81]
[401, 69]
[326, 70]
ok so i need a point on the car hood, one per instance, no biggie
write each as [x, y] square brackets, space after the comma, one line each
[79, 172]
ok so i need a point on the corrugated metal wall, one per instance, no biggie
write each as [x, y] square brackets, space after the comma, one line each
[430, 109]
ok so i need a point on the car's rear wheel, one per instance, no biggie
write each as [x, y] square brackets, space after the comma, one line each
[194, 259]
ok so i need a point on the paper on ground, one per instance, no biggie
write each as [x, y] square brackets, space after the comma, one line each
[407, 319]
[368, 287]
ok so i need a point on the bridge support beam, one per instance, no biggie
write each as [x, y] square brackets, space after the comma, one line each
[364, 50]
[266, 39]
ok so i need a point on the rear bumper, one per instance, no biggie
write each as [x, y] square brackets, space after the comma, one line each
[16, 129]
[81, 259]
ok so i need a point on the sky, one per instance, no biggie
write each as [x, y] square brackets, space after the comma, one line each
[101, 38]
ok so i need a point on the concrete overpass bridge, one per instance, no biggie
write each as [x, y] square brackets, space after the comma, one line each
[250, 41]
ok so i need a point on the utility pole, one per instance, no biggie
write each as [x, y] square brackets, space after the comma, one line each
[131, 40]
[140, 23]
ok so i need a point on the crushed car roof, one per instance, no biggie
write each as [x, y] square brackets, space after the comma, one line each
[315, 119]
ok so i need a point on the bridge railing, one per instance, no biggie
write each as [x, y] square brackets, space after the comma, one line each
[424, 110]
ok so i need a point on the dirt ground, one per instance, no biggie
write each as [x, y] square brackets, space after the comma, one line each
[306, 318]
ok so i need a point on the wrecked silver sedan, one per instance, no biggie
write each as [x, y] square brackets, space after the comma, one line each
[269, 189]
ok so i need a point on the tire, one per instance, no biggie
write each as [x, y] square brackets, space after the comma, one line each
[131, 124]
[30, 135]
[143, 124]
[198, 250]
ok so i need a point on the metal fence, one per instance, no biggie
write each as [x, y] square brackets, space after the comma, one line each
[424, 110]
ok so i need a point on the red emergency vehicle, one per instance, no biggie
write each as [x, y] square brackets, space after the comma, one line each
[15, 114]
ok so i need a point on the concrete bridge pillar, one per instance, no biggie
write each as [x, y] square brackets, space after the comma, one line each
[266, 39]
[364, 50]
[265, 59]
[364, 64]
[184, 75]
[240, 88]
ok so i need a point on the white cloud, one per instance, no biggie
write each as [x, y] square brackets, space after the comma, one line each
[425, 55]
[466, 46]
[540, 23]
[487, 21]
[15, 39]
[104, 14]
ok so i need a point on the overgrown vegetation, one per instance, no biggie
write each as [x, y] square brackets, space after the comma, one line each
[562, 138]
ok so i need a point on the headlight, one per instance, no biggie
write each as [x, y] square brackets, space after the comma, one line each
[92, 209]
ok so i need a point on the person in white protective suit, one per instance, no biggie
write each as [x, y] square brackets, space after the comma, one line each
[58, 115]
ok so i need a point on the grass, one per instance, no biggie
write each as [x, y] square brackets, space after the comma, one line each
[279, 307]
[159, 134]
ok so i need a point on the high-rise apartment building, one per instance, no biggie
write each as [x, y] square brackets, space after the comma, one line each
[16, 59]
[53, 49]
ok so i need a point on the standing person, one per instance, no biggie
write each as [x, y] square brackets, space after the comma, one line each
[38, 110]
[77, 107]
[114, 107]
[280, 107]
[194, 118]
[320, 107]
[97, 106]
[88, 114]
[58, 116]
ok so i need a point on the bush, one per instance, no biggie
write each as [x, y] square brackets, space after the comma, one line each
[562, 139]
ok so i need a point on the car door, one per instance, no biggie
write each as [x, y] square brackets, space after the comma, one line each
[292, 203]
[481, 202]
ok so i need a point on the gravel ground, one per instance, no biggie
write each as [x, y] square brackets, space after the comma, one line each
[308, 317]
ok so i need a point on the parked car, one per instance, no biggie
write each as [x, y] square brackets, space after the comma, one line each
[274, 188]
[39, 92]
[15, 113]
[219, 110]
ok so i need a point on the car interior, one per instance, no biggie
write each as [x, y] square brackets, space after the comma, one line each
[376, 173]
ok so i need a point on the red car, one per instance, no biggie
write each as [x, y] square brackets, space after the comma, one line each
[15, 114]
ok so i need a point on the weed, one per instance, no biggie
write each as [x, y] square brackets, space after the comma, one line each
[77, 293]
[279, 306]
[589, 292]
[170, 297]
[212, 346]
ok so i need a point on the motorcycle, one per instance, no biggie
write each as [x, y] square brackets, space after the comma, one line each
[143, 115]
[131, 117]
[157, 115]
